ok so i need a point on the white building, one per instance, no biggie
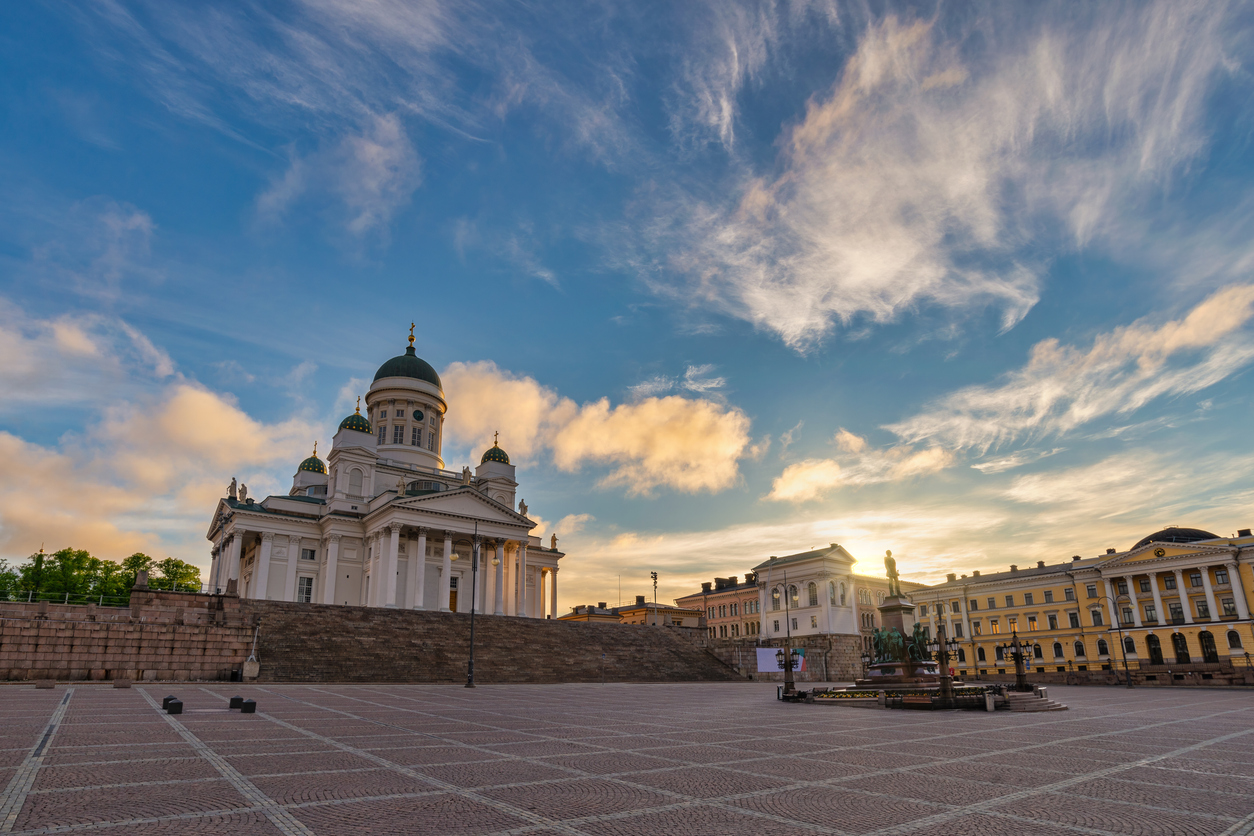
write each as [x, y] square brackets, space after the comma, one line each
[381, 523]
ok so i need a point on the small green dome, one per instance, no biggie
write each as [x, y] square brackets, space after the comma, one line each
[313, 464]
[495, 454]
[357, 422]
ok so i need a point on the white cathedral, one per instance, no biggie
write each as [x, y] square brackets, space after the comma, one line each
[381, 523]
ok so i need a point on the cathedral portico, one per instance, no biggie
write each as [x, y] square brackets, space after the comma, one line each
[381, 523]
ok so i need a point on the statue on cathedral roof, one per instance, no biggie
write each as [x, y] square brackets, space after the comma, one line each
[232, 490]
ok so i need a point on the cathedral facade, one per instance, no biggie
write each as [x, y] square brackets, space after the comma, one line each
[382, 523]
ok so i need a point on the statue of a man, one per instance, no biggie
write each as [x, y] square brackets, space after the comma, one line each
[522, 507]
[243, 493]
[232, 490]
[553, 543]
[894, 582]
[400, 486]
[465, 475]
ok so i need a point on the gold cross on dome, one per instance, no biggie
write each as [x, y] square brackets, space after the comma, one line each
[495, 436]
[411, 334]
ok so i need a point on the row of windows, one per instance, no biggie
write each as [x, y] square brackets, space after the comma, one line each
[1174, 609]
[837, 595]
[733, 609]
[1153, 646]
[814, 623]
[398, 436]
[399, 415]
[732, 631]
[1091, 591]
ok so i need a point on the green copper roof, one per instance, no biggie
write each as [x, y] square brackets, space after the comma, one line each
[409, 364]
[495, 454]
[313, 464]
[356, 422]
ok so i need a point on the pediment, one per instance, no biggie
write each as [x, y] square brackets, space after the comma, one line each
[463, 502]
[1152, 552]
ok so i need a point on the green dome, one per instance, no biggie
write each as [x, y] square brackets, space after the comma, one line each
[356, 422]
[409, 364]
[313, 464]
[495, 454]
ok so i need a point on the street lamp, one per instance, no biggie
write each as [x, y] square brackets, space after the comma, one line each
[1018, 651]
[786, 658]
[943, 649]
[1114, 606]
[474, 594]
[788, 661]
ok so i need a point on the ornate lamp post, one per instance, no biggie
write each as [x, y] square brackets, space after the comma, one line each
[788, 661]
[866, 663]
[788, 655]
[1018, 652]
[943, 649]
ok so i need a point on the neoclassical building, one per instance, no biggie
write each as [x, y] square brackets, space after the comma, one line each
[382, 523]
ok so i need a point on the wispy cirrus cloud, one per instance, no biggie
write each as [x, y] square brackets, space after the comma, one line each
[938, 154]
[857, 464]
[1063, 387]
[695, 379]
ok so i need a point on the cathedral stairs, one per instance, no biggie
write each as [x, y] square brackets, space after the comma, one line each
[318, 643]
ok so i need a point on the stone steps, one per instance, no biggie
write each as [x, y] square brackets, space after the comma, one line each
[319, 643]
[1031, 702]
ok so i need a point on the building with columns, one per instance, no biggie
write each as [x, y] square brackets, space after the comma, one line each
[382, 523]
[1180, 600]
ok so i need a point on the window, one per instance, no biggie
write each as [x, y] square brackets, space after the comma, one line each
[962, 655]
[415, 437]
[994, 626]
[831, 592]
[1195, 579]
[1057, 650]
[842, 594]
[1012, 624]
[958, 630]
[398, 434]
[1221, 576]
[979, 654]
[1203, 609]
[992, 603]
[1068, 594]
[709, 613]
[923, 609]
[1103, 649]
[1155, 648]
[1127, 615]
[1027, 599]
[812, 594]
[304, 590]
[775, 603]
[383, 433]
[1079, 650]
[1181, 646]
[1122, 586]
[1073, 618]
[999, 652]
[431, 417]
[793, 599]
[1234, 639]
[1031, 622]
[734, 609]
[1129, 646]
[1145, 585]
[354, 481]
[1053, 622]
[308, 554]
[1010, 600]
[431, 441]
[1169, 582]
[794, 624]
[777, 625]
[973, 605]
[1177, 612]
[722, 631]
[814, 621]
[955, 606]
[1037, 653]
[975, 628]
[1230, 606]
[1151, 614]
[1049, 596]
[1091, 590]
[1097, 618]
[1210, 653]
[735, 629]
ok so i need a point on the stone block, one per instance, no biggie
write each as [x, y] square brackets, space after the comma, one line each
[97, 673]
[121, 683]
[45, 683]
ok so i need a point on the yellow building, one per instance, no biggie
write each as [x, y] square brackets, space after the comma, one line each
[1176, 606]
[586, 612]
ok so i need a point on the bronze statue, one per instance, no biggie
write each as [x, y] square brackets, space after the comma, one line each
[894, 582]
[918, 645]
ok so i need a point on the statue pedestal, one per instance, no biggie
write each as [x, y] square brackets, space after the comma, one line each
[891, 674]
[897, 613]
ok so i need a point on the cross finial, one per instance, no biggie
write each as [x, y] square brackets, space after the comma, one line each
[315, 452]
[411, 335]
[496, 435]
[359, 404]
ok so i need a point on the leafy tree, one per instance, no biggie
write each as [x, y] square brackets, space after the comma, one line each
[83, 577]
[33, 575]
[133, 565]
[68, 572]
[8, 581]
[176, 575]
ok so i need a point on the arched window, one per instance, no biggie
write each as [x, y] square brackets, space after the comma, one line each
[1155, 648]
[831, 592]
[354, 481]
[1234, 639]
[1181, 646]
[1103, 649]
[979, 654]
[1037, 653]
[1057, 650]
[879, 596]
[1129, 646]
[842, 594]
[812, 593]
[793, 599]
[1079, 650]
[962, 655]
[1210, 653]
[775, 598]
[999, 653]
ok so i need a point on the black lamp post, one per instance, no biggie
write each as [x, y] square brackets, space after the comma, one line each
[1018, 651]
[788, 661]
[1119, 626]
[787, 656]
[474, 595]
[866, 663]
[943, 649]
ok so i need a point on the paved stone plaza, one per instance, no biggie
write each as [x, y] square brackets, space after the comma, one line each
[682, 759]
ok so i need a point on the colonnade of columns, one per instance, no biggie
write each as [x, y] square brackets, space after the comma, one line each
[1181, 593]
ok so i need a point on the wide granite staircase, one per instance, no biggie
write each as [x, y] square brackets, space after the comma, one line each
[318, 643]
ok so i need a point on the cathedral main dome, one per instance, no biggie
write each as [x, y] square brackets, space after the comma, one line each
[410, 365]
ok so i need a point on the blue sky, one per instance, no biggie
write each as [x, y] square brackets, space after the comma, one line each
[971, 281]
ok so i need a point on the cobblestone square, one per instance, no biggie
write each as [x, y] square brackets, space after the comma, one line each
[683, 759]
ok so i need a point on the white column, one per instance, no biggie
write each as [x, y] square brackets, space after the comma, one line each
[1110, 600]
[1184, 596]
[332, 571]
[293, 555]
[553, 592]
[237, 546]
[1210, 593]
[1158, 598]
[499, 602]
[214, 562]
[522, 579]
[1136, 605]
[447, 571]
[826, 593]
[1238, 589]
[377, 585]
[949, 621]
[417, 570]
[392, 567]
[263, 565]
[966, 618]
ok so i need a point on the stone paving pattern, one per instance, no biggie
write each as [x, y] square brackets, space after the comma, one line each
[620, 759]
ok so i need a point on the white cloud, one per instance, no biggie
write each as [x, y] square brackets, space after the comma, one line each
[1019, 459]
[1063, 387]
[686, 444]
[695, 379]
[814, 478]
[917, 179]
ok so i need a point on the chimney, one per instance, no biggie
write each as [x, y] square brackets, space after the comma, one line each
[1243, 532]
[773, 557]
[1014, 568]
[952, 576]
[601, 605]
[639, 600]
[751, 577]
[1074, 558]
[1040, 564]
[975, 573]
[705, 587]
[732, 581]
[1110, 551]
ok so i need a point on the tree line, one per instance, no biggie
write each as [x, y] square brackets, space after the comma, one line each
[80, 576]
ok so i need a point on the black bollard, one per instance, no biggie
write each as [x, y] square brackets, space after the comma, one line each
[236, 702]
[248, 707]
[174, 707]
[165, 703]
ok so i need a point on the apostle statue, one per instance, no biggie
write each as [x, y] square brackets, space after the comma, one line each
[522, 507]
[232, 490]
[243, 493]
[553, 543]
[465, 475]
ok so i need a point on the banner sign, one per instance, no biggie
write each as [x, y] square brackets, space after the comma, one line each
[768, 663]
